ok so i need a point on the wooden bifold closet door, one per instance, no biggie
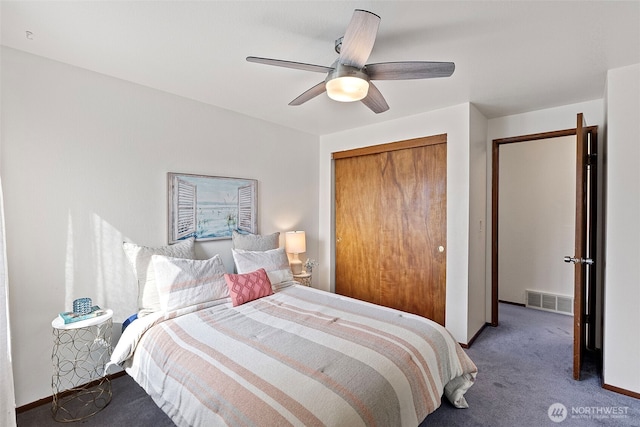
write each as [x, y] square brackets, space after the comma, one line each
[390, 224]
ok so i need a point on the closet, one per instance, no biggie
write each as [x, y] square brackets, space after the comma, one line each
[391, 224]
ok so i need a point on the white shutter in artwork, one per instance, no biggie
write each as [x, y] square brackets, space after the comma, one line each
[247, 220]
[185, 208]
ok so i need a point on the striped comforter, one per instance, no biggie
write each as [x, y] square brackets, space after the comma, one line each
[298, 357]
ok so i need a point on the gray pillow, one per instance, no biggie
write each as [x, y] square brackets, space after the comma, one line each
[255, 242]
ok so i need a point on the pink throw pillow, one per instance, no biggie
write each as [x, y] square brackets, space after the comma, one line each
[248, 287]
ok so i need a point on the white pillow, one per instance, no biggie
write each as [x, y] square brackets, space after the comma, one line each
[185, 282]
[275, 263]
[140, 259]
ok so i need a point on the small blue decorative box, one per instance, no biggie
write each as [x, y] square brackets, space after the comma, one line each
[82, 305]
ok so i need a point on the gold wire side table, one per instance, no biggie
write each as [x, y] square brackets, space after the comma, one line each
[303, 278]
[80, 352]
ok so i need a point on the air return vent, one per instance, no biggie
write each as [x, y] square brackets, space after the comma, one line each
[550, 302]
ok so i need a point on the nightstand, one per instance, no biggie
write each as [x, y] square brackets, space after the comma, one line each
[80, 352]
[304, 278]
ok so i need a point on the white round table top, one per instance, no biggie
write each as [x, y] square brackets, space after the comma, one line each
[58, 323]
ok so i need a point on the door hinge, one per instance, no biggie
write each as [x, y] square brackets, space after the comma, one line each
[592, 159]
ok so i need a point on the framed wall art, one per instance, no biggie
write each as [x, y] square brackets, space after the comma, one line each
[210, 207]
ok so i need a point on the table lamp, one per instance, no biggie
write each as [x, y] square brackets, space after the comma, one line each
[295, 243]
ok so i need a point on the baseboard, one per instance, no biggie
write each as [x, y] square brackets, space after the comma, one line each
[49, 399]
[475, 336]
[621, 391]
[512, 303]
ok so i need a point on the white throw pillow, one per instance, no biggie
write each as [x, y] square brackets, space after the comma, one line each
[275, 263]
[140, 259]
[186, 282]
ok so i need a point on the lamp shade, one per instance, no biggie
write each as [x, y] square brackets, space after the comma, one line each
[347, 89]
[347, 84]
[295, 242]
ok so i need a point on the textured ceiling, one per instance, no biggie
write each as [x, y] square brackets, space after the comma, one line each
[511, 56]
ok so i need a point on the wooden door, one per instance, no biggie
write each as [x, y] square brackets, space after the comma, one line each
[583, 258]
[391, 227]
[357, 216]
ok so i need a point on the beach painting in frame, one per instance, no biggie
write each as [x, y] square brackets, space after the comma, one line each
[210, 207]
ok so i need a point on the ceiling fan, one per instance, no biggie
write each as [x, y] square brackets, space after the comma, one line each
[349, 78]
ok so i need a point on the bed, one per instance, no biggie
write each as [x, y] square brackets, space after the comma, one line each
[296, 356]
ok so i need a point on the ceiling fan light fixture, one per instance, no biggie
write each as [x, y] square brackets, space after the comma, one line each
[347, 89]
[347, 84]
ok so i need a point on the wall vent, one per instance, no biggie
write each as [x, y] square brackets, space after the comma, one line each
[550, 302]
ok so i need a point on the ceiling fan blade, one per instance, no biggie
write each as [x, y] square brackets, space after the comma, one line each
[359, 38]
[290, 64]
[374, 100]
[309, 94]
[409, 70]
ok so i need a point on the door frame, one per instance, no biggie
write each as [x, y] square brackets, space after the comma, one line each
[495, 175]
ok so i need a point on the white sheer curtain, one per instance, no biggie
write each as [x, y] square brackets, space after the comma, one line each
[7, 393]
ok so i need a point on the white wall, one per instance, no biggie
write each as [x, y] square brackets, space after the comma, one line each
[622, 273]
[548, 120]
[84, 164]
[537, 217]
[477, 220]
[455, 122]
